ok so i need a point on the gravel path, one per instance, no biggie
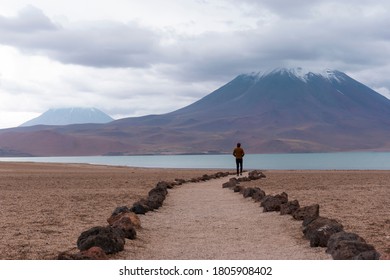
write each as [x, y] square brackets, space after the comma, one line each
[203, 221]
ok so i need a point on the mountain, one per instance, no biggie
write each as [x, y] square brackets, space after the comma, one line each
[65, 116]
[283, 110]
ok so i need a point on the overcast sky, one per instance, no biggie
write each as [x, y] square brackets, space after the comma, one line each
[132, 58]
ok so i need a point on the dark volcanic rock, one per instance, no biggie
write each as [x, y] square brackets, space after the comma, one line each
[238, 188]
[206, 177]
[159, 189]
[230, 184]
[155, 200]
[121, 209]
[273, 202]
[72, 256]
[94, 253]
[156, 196]
[248, 192]
[255, 175]
[180, 181]
[349, 250]
[164, 185]
[335, 239]
[117, 213]
[289, 208]
[258, 195]
[130, 215]
[307, 212]
[243, 179]
[319, 231]
[107, 238]
[348, 246]
[126, 226]
[368, 255]
[140, 207]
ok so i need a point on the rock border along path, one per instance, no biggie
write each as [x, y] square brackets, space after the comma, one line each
[204, 221]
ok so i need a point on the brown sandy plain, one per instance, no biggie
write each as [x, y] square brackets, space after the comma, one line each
[45, 207]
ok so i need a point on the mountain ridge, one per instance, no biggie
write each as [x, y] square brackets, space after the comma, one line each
[71, 115]
[282, 111]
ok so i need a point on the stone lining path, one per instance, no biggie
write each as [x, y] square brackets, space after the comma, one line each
[204, 221]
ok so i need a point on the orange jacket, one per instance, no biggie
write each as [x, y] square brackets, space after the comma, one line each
[238, 153]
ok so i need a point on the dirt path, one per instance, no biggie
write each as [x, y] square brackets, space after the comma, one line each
[205, 221]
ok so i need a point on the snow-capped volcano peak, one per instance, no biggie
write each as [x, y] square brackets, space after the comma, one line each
[73, 115]
[300, 73]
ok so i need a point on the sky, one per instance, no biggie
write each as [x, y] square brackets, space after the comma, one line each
[133, 58]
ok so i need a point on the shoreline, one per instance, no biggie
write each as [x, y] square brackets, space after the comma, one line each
[47, 205]
[309, 161]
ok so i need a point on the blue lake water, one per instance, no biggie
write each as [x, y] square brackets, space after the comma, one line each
[305, 161]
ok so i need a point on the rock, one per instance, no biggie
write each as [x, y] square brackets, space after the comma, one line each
[155, 201]
[164, 185]
[222, 174]
[180, 181]
[159, 189]
[120, 209]
[131, 215]
[238, 188]
[289, 208]
[255, 175]
[243, 179]
[69, 255]
[230, 184]
[258, 195]
[335, 239]
[140, 207]
[348, 246]
[107, 238]
[117, 212]
[348, 250]
[319, 231]
[309, 212]
[125, 225]
[248, 192]
[368, 255]
[94, 253]
[273, 202]
[206, 177]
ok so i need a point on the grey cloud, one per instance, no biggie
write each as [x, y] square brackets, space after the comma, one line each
[347, 42]
[101, 44]
[28, 20]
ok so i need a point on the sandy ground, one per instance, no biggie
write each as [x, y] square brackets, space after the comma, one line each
[203, 221]
[45, 207]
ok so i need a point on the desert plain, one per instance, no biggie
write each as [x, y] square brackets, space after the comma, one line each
[45, 207]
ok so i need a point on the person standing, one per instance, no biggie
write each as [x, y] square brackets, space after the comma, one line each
[239, 153]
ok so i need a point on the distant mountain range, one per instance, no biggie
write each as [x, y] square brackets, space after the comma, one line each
[283, 110]
[65, 116]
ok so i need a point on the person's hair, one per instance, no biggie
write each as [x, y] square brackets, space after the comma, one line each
[238, 144]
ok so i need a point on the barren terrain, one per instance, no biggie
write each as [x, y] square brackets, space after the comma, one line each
[45, 207]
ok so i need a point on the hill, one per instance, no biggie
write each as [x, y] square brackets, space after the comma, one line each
[65, 116]
[283, 110]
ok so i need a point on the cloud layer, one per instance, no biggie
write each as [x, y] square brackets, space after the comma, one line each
[148, 65]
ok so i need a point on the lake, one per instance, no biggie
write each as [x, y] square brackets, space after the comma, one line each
[304, 161]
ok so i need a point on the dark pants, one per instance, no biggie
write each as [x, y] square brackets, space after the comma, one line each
[239, 165]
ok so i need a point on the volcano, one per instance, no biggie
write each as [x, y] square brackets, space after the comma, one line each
[65, 116]
[279, 111]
